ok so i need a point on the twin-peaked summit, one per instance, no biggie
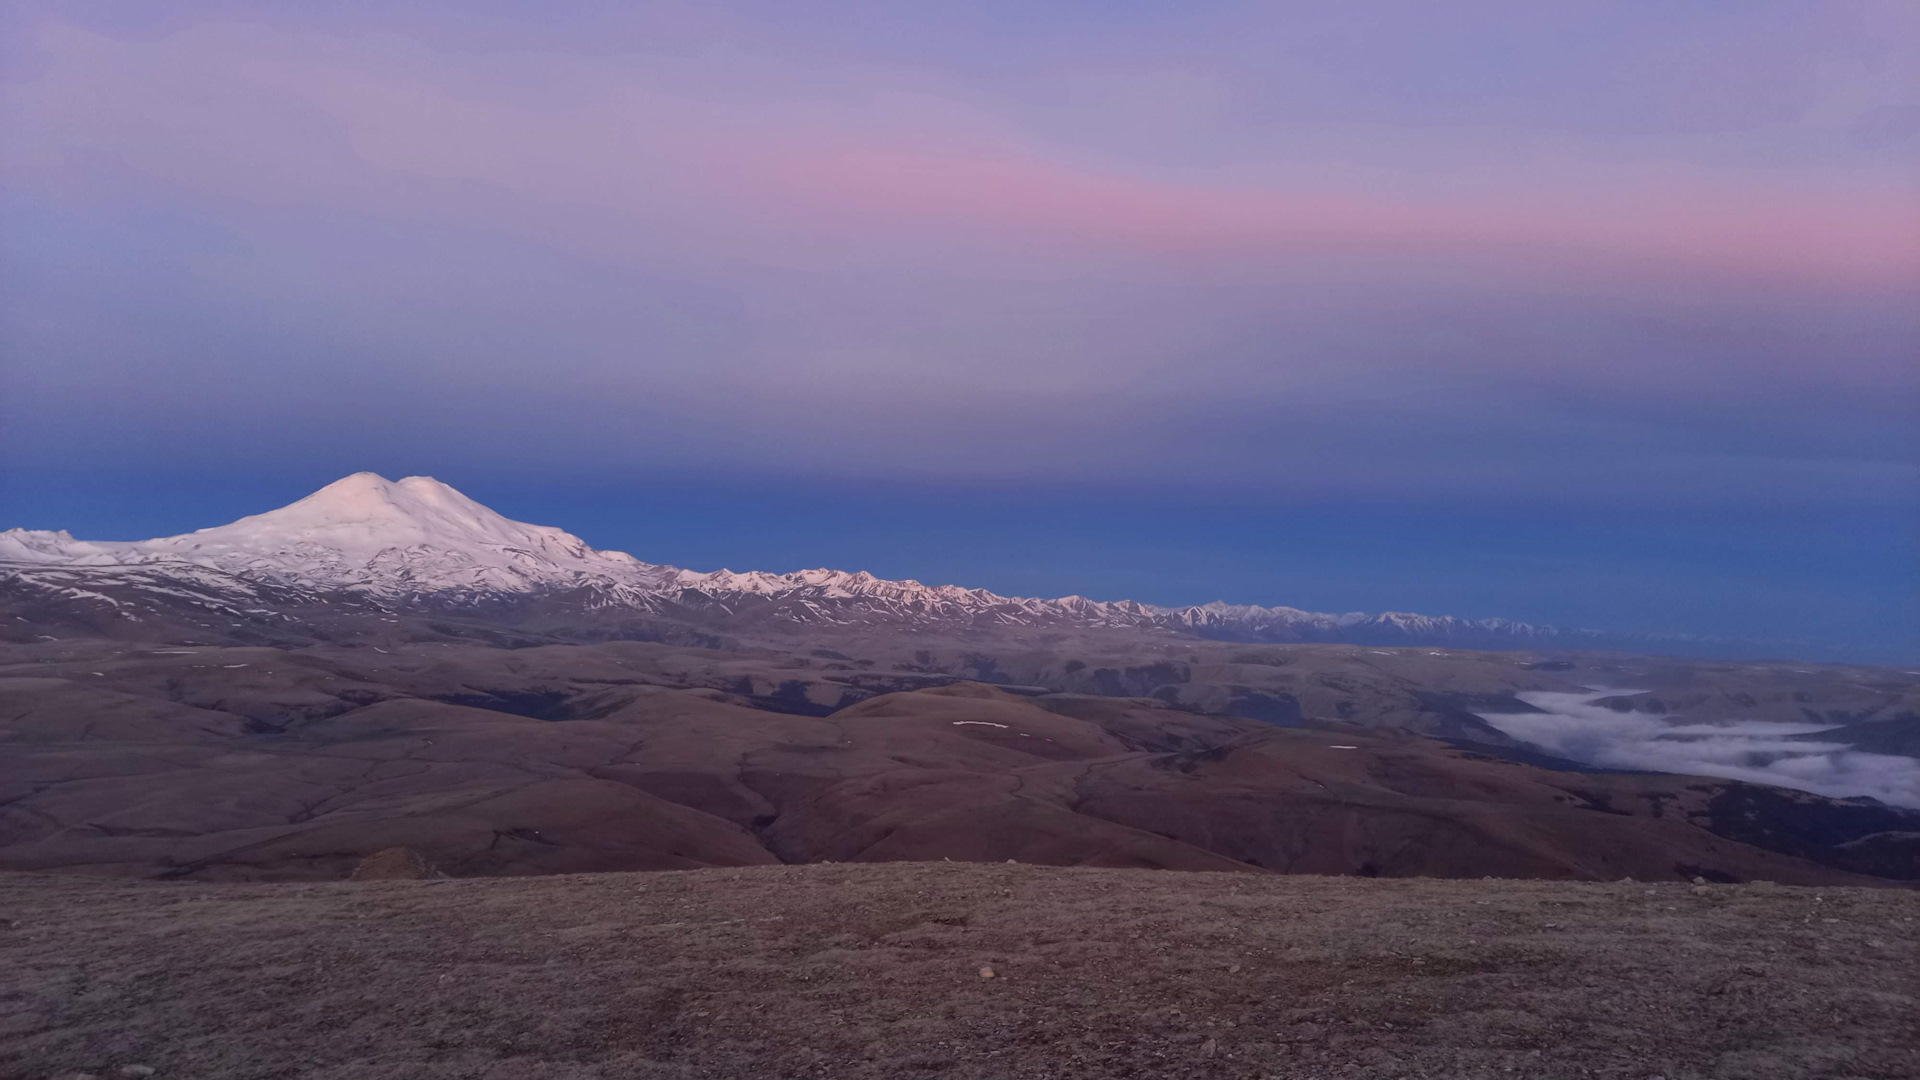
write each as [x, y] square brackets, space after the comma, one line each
[419, 542]
[364, 514]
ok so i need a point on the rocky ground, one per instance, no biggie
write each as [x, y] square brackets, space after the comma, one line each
[955, 970]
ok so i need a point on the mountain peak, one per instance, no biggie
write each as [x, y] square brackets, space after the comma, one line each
[361, 493]
[366, 513]
[368, 495]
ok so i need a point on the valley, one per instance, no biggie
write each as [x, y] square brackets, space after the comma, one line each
[214, 762]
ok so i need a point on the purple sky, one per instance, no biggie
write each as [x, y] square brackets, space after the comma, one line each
[1644, 254]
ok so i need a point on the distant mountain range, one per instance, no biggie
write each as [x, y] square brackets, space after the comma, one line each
[368, 544]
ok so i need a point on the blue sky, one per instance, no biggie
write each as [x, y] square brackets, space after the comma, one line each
[1599, 316]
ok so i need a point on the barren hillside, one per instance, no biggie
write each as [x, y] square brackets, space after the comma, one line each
[269, 764]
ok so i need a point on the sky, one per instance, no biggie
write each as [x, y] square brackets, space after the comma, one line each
[1600, 315]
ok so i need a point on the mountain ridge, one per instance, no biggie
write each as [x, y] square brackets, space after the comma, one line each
[418, 541]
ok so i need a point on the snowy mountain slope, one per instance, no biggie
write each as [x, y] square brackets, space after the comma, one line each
[418, 542]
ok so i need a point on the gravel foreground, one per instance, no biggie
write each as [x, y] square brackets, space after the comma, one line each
[950, 970]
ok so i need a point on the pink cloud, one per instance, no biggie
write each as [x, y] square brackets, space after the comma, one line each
[1692, 224]
[609, 157]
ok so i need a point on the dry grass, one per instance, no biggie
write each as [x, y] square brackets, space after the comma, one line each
[875, 971]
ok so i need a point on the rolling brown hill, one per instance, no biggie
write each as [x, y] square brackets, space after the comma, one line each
[256, 763]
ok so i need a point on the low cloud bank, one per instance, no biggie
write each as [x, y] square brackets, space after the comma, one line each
[1753, 750]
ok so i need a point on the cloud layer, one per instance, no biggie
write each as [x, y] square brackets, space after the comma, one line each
[1758, 751]
[1409, 257]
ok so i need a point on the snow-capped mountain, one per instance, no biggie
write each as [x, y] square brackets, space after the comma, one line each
[363, 533]
[418, 544]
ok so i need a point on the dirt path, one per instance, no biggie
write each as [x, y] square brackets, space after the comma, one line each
[878, 971]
